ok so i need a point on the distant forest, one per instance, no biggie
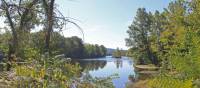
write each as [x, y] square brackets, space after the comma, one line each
[72, 47]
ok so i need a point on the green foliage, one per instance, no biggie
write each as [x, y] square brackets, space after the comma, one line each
[4, 41]
[169, 82]
[24, 49]
[173, 37]
[139, 36]
[72, 47]
[181, 47]
[91, 51]
[51, 73]
[98, 82]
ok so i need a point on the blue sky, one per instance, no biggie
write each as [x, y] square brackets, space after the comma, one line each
[105, 21]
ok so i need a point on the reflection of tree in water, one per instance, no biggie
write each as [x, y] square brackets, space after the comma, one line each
[92, 65]
[130, 62]
[118, 63]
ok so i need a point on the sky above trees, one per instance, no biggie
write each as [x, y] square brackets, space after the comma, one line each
[105, 22]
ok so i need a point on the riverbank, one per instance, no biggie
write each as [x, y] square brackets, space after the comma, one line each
[149, 67]
[145, 72]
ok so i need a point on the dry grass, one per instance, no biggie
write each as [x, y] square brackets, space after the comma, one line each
[146, 67]
[145, 71]
[140, 84]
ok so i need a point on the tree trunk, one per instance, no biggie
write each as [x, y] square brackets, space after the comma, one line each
[49, 25]
[14, 41]
[151, 56]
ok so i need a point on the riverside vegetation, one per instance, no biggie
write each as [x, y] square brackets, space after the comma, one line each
[170, 41]
[41, 59]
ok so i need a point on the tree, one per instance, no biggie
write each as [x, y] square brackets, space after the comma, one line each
[158, 23]
[22, 46]
[94, 51]
[102, 50]
[77, 47]
[139, 33]
[180, 40]
[20, 16]
[48, 6]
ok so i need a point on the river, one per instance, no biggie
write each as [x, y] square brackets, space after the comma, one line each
[106, 66]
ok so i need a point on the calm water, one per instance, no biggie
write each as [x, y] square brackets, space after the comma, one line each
[103, 67]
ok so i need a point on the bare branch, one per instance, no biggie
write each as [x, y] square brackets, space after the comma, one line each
[62, 16]
[6, 7]
[67, 20]
[20, 1]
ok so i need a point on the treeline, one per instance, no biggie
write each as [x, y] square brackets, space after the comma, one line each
[72, 47]
[32, 56]
[91, 51]
[118, 53]
[170, 40]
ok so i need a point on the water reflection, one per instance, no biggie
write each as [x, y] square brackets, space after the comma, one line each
[104, 67]
[92, 65]
[118, 63]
